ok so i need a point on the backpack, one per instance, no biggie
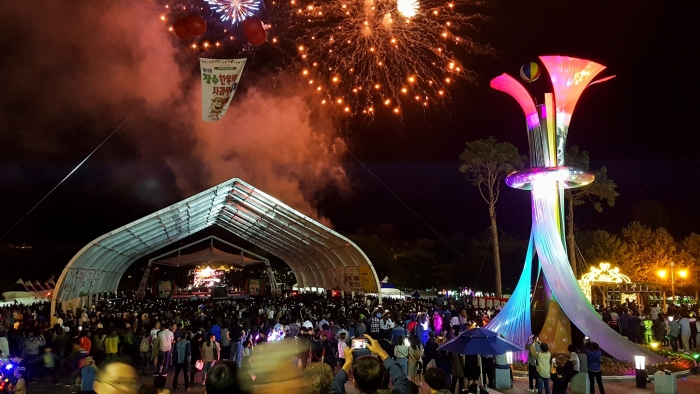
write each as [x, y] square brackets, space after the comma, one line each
[145, 345]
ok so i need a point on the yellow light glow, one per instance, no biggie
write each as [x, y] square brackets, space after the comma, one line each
[335, 79]
[377, 86]
[323, 101]
[387, 102]
[396, 110]
[162, 17]
[683, 273]
[661, 273]
[305, 72]
[404, 90]
[448, 80]
[340, 101]
[301, 48]
[654, 345]
[411, 79]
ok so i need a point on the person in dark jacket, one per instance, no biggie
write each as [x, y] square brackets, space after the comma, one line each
[593, 354]
[195, 346]
[368, 372]
[182, 356]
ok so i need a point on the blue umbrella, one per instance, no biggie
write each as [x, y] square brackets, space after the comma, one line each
[479, 341]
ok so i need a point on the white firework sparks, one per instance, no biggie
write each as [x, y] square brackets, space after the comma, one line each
[407, 8]
[235, 10]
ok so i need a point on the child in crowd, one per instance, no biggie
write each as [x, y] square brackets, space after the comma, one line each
[159, 383]
[50, 363]
[559, 381]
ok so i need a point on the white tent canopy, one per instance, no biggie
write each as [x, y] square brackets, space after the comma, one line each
[318, 256]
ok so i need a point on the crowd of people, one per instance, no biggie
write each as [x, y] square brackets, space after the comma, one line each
[677, 328]
[170, 338]
[323, 339]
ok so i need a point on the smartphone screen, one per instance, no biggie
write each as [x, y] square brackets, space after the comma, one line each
[359, 343]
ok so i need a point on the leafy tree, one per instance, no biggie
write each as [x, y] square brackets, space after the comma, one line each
[486, 162]
[599, 245]
[648, 251]
[602, 190]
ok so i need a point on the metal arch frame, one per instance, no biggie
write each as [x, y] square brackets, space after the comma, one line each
[311, 249]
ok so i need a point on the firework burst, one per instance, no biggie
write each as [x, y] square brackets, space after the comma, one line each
[235, 10]
[371, 55]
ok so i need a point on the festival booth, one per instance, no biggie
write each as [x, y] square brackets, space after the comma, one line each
[389, 290]
[607, 286]
[28, 292]
[424, 295]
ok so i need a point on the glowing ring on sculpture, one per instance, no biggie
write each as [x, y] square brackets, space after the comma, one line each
[569, 177]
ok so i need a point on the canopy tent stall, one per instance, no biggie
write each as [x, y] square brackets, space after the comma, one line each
[318, 256]
[390, 290]
[426, 295]
[212, 255]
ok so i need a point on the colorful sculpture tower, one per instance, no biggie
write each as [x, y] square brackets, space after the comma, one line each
[548, 177]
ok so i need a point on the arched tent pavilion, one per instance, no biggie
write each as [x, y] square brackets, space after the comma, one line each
[318, 256]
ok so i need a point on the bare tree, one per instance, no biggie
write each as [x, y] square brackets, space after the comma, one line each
[486, 163]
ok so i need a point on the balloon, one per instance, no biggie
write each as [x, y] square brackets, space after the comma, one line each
[196, 25]
[254, 30]
[180, 28]
[529, 72]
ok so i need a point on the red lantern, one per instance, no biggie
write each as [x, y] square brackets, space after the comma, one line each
[196, 25]
[180, 28]
[254, 30]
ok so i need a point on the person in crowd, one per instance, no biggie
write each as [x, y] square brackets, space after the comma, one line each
[458, 368]
[674, 332]
[225, 342]
[369, 372]
[685, 332]
[49, 360]
[87, 375]
[573, 365]
[593, 355]
[196, 352]
[145, 353]
[318, 379]
[21, 386]
[225, 378]
[182, 355]
[342, 346]
[166, 337]
[159, 383]
[112, 345]
[532, 361]
[435, 379]
[210, 355]
[401, 354]
[544, 367]
[415, 356]
[559, 381]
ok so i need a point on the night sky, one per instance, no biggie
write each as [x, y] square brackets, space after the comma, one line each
[69, 76]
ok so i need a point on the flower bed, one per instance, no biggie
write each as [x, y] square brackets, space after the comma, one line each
[613, 367]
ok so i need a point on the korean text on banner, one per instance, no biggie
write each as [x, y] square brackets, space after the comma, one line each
[219, 82]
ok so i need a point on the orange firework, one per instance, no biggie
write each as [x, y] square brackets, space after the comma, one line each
[366, 52]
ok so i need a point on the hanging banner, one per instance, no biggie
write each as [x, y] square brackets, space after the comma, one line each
[219, 82]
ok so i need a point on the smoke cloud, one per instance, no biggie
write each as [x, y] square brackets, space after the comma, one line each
[71, 72]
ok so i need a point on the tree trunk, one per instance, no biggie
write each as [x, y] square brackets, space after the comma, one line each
[496, 252]
[571, 246]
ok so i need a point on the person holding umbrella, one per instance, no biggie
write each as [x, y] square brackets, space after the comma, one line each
[544, 366]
